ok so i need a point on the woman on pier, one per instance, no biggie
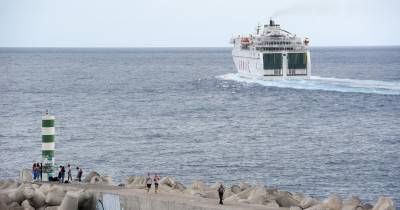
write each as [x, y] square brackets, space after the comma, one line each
[156, 182]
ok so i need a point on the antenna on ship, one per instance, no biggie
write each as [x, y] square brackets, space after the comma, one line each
[258, 28]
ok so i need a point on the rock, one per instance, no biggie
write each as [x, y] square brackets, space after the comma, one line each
[27, 205]
[198, 185]
[179, 186]
[70, 201]
[272, 193]
[244, 194]
[45, 188]
[89, 177]
[14, 204]
[28, 191]
[17, 195]
[352, 204]
[38, 199]
[333, 202]
[272, 204]
[195, 192]
[95, 179]
[136, 181]
[367, 206]
[353, 201]
[164, 188]
[235, 189]
[101, 180]
[384, 203]
[35, 186]
[215, 185]
[129, 179]
[308, 202]
[3, 206]
[287, 201]
[17, 208]
[295, 208]
[244, 186]
[233, 198]
[240, 197]
[52, 208]
[4, 199]
[298, 196]
[8, 184]
[107, 180]
[168, 181]
[55, 196]
[228, 193]
[25, 175]
[86, 200]
[211, 194]
[258, 195]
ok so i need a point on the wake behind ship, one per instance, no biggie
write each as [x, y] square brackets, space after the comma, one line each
[272, 53]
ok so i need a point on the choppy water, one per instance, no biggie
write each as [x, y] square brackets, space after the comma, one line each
[184, 113]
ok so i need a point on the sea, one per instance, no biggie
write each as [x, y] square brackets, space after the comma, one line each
[185, 113]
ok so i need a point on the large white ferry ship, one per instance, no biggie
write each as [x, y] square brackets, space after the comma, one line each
[272, 53]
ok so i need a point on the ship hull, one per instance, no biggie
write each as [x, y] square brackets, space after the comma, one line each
[254, 64]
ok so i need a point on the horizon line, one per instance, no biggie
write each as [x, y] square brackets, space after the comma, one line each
[155, 47]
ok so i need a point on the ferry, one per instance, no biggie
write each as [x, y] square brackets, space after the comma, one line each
[272, 53]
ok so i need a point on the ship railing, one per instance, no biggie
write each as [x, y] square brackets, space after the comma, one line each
[279, 45]
[281, 48]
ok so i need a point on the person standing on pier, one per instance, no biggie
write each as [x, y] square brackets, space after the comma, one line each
[69, 173]
[156, 182]
[34, 172]
[79, 175]
[149, 181]
[62, 174]
[59, 174]
[41, 171]
[221, 191]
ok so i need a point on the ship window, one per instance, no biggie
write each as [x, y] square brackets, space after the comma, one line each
[272, 60]
[297, 60]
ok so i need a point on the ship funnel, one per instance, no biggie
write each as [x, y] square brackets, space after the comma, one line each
[271, 22]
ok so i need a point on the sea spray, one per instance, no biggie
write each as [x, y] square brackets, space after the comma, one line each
[324, 83]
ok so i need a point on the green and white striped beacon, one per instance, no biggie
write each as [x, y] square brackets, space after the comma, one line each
[48, 146]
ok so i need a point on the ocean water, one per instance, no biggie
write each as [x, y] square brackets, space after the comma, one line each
[185, 113]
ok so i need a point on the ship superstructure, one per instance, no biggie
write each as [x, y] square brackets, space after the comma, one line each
[272, 53]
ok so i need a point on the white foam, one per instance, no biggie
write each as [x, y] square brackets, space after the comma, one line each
[325, 83]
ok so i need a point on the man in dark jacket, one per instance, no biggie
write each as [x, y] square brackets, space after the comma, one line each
[221, 191]
[79, 175]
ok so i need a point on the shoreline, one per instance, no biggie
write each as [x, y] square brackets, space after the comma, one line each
[131, 195]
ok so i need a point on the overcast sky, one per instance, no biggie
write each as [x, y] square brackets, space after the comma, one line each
[189, 23]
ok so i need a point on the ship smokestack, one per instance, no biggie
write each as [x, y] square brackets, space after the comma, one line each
[271, 22]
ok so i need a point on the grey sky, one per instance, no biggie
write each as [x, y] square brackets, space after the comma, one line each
[186, 23]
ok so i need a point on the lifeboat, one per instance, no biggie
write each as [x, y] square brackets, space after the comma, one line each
[245, 41]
